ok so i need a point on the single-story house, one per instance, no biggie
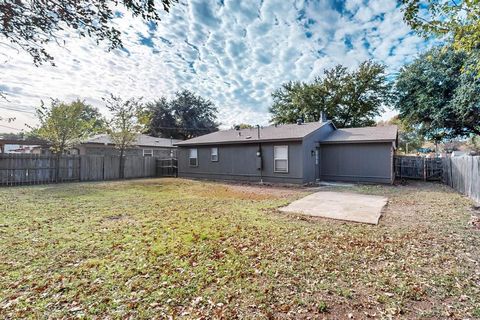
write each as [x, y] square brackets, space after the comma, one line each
[291, 153]
[145, 145]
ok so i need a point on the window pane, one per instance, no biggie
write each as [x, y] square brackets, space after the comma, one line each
[281, 165]
[214, 154]
[193, 162]
[281, 152]
[193, 153]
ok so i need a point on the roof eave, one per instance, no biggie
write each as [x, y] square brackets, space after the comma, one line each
[358, 141]
[186, 144]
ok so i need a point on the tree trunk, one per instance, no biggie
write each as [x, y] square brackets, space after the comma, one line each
[57, 167]
[121, 165]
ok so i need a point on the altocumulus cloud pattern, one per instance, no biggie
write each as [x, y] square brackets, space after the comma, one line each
[232, 52]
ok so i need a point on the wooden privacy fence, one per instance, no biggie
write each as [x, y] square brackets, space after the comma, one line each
[18, 169]
[463, 174]
[410, 167]
[167, 168]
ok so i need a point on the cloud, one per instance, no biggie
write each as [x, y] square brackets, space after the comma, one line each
[234, 53]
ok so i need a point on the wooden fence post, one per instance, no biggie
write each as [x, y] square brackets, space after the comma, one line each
[424, 169]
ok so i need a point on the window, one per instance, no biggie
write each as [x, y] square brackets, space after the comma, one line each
[147, 152]
[193, 158]
[280, 159]
[214, 154]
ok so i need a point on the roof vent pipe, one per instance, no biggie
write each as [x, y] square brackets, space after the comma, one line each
[323, 116]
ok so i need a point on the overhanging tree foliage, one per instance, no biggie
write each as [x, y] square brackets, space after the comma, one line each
[436, 96]
[349, 98]
[185, 116]
[457, 21]
[31, 25]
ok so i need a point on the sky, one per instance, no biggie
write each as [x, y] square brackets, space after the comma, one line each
[235, 53]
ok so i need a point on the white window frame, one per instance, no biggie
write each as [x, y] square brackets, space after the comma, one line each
[148, 152]
[190, 157]
[214, 155]
[275, 158]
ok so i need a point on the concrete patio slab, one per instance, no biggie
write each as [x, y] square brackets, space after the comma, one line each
[340, 205]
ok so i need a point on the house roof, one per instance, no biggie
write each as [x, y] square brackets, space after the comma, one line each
[142, 140]
[365, 134]
[270, 133]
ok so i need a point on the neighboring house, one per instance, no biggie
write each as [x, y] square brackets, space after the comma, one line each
[147, 146]
[293, 153]
[15, 145]
[23, 149]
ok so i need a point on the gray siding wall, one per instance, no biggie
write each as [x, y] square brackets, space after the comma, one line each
[357, 162]
[100, 150]
[310, 169]
[239, 162]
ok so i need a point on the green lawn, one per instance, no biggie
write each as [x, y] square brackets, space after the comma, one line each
[173, 247]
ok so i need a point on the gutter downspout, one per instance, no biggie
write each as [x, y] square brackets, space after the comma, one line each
[259, 155]
[260, 160]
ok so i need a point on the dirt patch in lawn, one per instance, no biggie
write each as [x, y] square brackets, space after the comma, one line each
[251, 191]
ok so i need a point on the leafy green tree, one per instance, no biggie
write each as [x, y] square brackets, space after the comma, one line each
[297, 100]
[12, 135]
[64, 125]
[434, 95]
[349, 98]
[474, 144]
[31, 25]
[124, 125]
[243, 126]
[456, 21]
[185, 116]
[162, 119]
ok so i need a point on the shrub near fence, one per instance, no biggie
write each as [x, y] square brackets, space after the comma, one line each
[18, 169]
[463, 174]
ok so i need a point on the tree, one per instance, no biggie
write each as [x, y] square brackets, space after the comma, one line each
[124, 126]
[297, 100]
[457, 21]
[242, 126]
[162, 119]
[12, 135]
[409, 139]
[31, 25]
[96, 121]
[349, 98]
[434, 95]
[184, 117]
[474, 145]
[64, 125]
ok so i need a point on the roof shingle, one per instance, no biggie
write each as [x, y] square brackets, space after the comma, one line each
[270, 133]
[365, 134]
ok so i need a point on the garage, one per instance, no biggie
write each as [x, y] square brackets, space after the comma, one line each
[359, 155]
